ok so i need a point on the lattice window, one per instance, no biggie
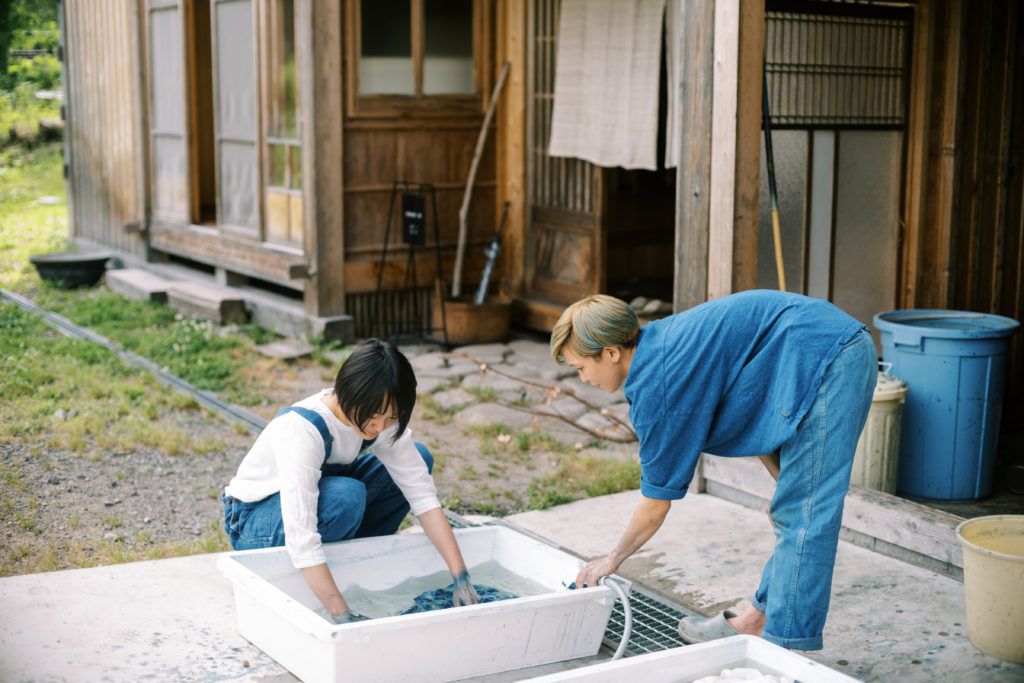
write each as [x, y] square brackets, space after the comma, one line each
[837, 64]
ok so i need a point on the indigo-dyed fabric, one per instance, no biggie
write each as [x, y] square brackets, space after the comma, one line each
[442, 598]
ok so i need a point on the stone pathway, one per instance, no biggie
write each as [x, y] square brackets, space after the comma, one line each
[520, 386]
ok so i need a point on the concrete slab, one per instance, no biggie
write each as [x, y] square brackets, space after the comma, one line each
[165, 620]
[888, 620]
[174, 619]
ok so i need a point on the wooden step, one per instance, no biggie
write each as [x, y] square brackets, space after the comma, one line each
[208, 303]
[138, 284]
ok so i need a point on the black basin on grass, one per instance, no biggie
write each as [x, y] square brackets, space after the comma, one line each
[70, 269]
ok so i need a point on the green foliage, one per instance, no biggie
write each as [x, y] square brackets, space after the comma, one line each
[583, 477]
[28, 226]
[41, 72]
[67, 392]
[195, 350]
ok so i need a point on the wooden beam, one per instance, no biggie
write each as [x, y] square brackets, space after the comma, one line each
[693, 179]
[724, 89]
[748, 144]
[918, 129]
[319, 48]
[511, 139]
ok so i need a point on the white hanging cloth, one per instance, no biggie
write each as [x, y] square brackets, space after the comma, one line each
[606, 82]
[673, 68]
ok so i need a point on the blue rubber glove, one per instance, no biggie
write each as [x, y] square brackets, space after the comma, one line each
[464, 593]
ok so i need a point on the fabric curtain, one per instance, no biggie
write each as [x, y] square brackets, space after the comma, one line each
[606, 82]
[673, 68]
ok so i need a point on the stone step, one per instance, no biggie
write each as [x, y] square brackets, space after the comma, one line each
[138, 284]
[208, 303]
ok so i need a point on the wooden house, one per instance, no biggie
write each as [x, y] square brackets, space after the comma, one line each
[258, 143]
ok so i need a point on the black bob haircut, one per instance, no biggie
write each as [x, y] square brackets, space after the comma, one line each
[375, 374]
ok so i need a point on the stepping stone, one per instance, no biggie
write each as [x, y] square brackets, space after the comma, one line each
[493, 414]
[138, 284]
[485, 353]
[286, 349]
[453, 399]
[208, 303]
[565, 406]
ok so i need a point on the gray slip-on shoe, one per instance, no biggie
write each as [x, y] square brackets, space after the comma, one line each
[697, 630]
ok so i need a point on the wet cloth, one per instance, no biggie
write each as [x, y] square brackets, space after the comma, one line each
[441, 598]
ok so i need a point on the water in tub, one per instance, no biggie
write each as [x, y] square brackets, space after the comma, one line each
[400, 598]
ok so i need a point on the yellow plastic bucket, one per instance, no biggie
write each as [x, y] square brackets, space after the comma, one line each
[994, 584]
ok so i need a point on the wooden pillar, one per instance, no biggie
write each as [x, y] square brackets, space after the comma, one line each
[512, 44]
[748, 144]
[722, 47]
[319, 48]
[693, 177]
[917, 151]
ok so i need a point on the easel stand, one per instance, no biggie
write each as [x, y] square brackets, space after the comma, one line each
[392, 322]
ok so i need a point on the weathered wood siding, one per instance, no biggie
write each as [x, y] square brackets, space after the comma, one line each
[101, 77]
[966, 252]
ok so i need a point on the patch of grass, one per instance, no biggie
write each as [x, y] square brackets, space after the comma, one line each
[70, 393]
[75, 555]
[28, 227]
[583, 477]
[433, 411]
[483, 394]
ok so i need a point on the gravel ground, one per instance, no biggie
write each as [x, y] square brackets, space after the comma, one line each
[62, 510]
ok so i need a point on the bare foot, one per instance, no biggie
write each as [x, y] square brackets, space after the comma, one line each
[750, 622]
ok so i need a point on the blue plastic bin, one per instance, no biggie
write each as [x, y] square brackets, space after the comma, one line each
[955, 364]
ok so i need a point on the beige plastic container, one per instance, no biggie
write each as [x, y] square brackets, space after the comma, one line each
[874, 463]
[994, 584]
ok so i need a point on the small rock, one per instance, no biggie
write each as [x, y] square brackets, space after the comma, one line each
[111, 536]
[60, 414]
[147, 520]
[111, 503]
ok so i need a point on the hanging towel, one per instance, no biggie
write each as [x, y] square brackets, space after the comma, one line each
[606, 82]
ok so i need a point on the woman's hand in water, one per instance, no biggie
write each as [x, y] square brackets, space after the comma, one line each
[347, 617]
[464, 593]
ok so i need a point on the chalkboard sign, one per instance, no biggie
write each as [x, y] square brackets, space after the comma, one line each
[414, 228]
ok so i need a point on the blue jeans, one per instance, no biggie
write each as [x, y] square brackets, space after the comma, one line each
[356, 500]
[807, 508]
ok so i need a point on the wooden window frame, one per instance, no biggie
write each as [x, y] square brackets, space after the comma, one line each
[359, 105]
[268, 82]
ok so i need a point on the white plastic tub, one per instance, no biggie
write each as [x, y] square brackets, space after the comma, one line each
[690, 662]
[276, 611]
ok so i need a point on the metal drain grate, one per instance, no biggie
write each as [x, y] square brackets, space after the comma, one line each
[655, 618]
[654, 623]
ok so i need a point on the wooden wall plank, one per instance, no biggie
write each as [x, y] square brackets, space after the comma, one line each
[693, 179]
[748, 145]
[323, 146]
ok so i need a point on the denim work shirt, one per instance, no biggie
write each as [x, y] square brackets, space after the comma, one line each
[733, 377]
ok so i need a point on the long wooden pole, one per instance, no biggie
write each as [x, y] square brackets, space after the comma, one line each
[460, 249]
[772, 190]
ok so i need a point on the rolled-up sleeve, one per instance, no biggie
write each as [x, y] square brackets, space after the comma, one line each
[299, 451]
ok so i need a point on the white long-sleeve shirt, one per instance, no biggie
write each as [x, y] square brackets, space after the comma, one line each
[287, 457]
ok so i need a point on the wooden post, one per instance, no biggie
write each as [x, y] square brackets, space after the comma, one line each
[693, 179]
[320, 88]
[512, 46]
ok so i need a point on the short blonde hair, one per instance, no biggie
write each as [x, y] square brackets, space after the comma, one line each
[594, 323]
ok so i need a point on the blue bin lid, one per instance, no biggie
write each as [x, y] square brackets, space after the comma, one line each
[946, 324]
